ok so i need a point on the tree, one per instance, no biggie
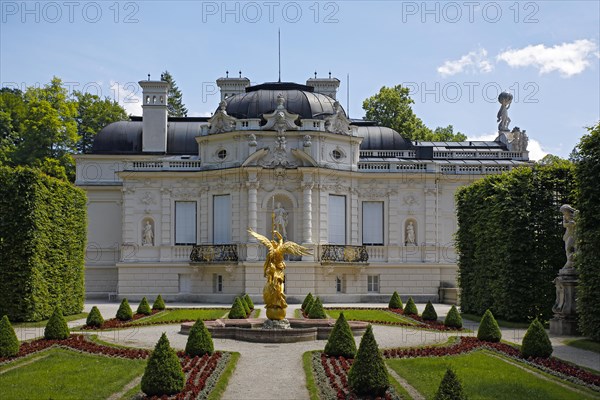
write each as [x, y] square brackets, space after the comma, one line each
[175, 106]
[450, 388]
[536, 342]
[199, 341]
[12, 113]
[341, 341]
[489, 330]
[163, 374]
[429, 313]
[237, 310]
[391, 107]
[94, 318]
[453, 319]
[410, 308]
[9, 343]
[124, 313]
[57, 328]
[144, 307]
[93, 114]
[368, 375]
[395, 302]
[159, 303]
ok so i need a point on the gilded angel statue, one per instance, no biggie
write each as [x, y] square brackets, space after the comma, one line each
[274, 271]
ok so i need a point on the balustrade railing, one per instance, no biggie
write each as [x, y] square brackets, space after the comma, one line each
[206, 253]
[344, 253]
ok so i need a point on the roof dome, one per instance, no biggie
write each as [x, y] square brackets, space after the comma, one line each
[262, 99]
[382, 138]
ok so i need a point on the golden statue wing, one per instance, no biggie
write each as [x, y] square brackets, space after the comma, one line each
[264, 240]
[295, 249]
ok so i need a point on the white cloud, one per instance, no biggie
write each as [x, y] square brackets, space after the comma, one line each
[125, 95]
[568, 58]
[474, 61]
[534, 147]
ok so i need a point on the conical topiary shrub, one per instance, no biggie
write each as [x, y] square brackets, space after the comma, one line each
[308, 306]
[368, 375]
[124, 312]
[453, 318]
[316, 310]
[9, 343]
[536, 342]
[410, 308]
[237, 310]
[94, 318]
[340, 341]
[489, 330]
[56, 328]
[199, 341]
[163, 374]
[308, 299]
[159, 303]
[144, 307]
[245, 305]
[249, 301]
[429, 313]
[395, 302]
[450, 388]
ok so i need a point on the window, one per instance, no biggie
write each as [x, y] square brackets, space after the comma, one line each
[222, 154]
[372, 222]
[373, 283]
[217, 283]
[336, 154]
[339, 284]
[222, 219]
[185, 222]
[337, 219]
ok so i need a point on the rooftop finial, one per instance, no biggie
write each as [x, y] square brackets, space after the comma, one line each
[227, 74]
[162, 78]
[240, 73]
[329, 74]
[315, 74]
[148, 76]
[279, 48]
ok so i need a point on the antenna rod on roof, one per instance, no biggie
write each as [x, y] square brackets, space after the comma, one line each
[348, 94]
[279, 51]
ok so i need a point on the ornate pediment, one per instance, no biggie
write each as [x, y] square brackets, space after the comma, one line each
[221, 122]
[278, 156]
[280, 120]
[337, 122]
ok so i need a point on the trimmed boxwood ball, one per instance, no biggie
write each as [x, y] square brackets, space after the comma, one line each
[199, 341]
[94, 318]
[453, 318]
[159, 303]
[536, 342]
[341, 341]
[411, 307]
[395, 302]
[163, 374]
[316, 310]
[245, 305]
[489, 330]
[237, 310]
[368, 375]
[9, 343]
[144, 307]
[124, 312]
[429, 313]
[450, 388]
[307, 300]
[249, 301]
[56, 328]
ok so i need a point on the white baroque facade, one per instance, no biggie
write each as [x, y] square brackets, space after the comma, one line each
[170, 200]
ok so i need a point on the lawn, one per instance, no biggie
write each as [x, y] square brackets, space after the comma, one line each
[370, 316]
[484, 376]
[66, 374]
[585, 344]
[183, 314]
[41, 324]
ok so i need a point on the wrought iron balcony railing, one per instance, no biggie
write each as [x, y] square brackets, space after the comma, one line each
[207, 253]
[344, 253]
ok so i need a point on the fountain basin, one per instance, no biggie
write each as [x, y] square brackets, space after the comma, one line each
[251, 330]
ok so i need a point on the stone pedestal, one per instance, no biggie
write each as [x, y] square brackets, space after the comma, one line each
[565, 308]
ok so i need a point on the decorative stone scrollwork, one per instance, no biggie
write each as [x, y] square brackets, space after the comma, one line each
[281, 119]
[221, 122]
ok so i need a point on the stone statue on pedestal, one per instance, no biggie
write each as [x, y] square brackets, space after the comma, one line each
[564, 309]
[504, 99]
[148, 235]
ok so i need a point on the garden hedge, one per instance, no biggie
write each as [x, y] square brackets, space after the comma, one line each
[42, 242]
[587, 258]
[509, 241]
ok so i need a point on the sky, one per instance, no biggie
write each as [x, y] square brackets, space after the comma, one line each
[455, 57]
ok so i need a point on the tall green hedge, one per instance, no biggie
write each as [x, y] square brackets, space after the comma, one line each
[587, 257]
[42, 242]
[509, 241]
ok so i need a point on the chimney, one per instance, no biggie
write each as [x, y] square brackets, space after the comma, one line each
[154, 116]
[326, 86]
[232, 86]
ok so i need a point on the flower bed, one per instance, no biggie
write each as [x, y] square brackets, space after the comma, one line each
[117, 323]
[466, 344]
[202, 373]
[331, 375]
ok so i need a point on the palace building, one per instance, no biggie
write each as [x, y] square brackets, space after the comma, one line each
[170, 200]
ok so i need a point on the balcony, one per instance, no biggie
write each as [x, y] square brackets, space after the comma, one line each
[209, 253]
[333, 253]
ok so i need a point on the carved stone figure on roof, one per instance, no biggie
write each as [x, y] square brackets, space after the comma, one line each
[280, 119]
[519, 140]
[504, 99]
[221, 121]
[337, 122]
